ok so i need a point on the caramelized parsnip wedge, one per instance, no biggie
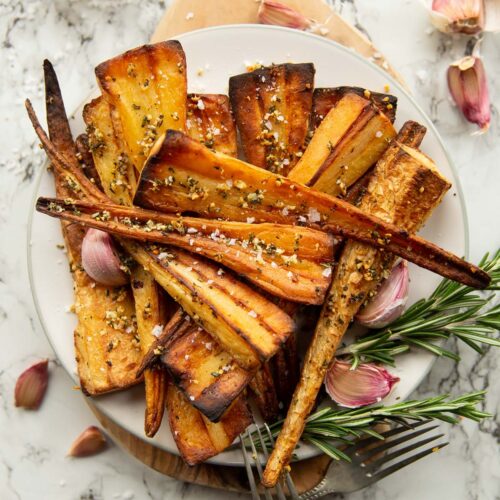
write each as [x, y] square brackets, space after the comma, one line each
[195, 436]
[324, 99]
[146, 88]
[272, 107]
[350, 139]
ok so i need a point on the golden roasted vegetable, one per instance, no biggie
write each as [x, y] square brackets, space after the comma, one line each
[149, 308]
[106, 351]
[116, 171]
[272, 107]
[207, 374]
[264, 196]
[146, 88]
[196, 437]
[324, 99]
[350, 139]
[248, 326]
[86, 160]
[287, 261]
[403, 190]
[209, 121]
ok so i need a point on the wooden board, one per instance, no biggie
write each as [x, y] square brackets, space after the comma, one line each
[181, 17]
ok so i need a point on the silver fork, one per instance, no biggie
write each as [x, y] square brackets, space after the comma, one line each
[368, 465]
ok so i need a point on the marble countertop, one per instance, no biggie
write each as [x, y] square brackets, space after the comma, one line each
[76, 35]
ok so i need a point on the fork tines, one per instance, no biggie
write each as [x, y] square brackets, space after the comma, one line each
[278, 489]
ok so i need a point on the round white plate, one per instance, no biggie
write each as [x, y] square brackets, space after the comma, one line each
[222, 52]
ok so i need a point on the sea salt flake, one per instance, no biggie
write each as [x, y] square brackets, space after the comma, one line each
[252, 313]
[157, 329]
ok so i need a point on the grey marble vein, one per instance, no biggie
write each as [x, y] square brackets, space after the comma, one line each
[76, 35]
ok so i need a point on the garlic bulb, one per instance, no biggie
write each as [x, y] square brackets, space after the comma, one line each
[469, 89]
[390, 300]
[281, 15]
[365, 385]
[100, 260]
[89, 442]
[31, 386]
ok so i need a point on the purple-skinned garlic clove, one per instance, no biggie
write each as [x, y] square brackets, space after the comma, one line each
[469, 89]
[365, 385]
[390, 300]
[100, 259]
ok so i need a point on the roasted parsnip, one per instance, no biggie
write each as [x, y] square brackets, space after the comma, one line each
[350, 139]
[208, 375]
[404, 189]
[106, 351]
[146, 89]
[151, 316]
[209, 120]
[287, 261]
[196, 437]
[263, 196]
[116, 171]
[272, 107]
[324, 99]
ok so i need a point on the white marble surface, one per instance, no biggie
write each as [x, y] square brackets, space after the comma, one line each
[76, 35]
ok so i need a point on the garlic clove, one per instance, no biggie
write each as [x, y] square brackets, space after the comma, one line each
[365, 385]
[458, 16]
[90, 442]
[31, 386]
[469, 89]
[390, 300]
[100, 260]
[279, 14]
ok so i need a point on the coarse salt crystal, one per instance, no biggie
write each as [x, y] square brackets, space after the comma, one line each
[200, 104]
[327, 272]
[252, 313]
[157, 329]
[250, 220]
[378, 134]
[314, 215]
[189, 16]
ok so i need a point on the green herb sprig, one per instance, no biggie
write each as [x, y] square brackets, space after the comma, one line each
[329, 425]
[453, 310]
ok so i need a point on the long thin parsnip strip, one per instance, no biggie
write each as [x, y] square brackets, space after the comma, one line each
[266, 197]
[151, 316]
[404, 189]
[287, 261]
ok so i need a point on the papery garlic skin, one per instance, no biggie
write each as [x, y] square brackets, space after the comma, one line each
[458, 16]
[365, 385]
[89, 442]
[469, 88]
[31, 386]
[390, 301]
[100, 260]
[278, 14]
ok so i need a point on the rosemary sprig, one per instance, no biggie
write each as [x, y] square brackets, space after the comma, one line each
[453, 310]
[329, 425]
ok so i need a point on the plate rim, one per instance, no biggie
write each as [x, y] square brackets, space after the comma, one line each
[231, 27]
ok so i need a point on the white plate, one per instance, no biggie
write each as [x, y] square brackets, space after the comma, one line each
[222, 52]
